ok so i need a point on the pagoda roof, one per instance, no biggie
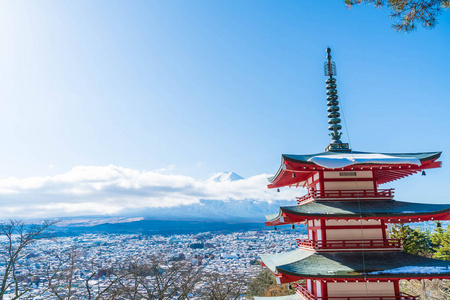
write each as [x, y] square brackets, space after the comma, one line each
[299, 264]
[388, 166]
[372, 209]
[362, 157]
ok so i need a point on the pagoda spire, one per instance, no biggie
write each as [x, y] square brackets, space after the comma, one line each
[333, 107]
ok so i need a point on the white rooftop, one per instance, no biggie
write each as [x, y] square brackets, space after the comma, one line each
[341, 160]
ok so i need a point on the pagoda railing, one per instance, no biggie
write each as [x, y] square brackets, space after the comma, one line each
[350, 244]
[346, 194]
[306, 295]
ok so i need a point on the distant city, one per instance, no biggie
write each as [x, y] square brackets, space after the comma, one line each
[215, 252]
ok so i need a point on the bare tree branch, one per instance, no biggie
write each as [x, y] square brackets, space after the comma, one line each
[18, 237]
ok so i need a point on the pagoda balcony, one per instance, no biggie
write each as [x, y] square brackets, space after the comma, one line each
[380, 194]
[306, 295]
[337, 245]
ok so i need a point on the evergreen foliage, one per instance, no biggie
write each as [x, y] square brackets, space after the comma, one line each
[415, 241]
[427, 243]
[441, 242]
[408, 13]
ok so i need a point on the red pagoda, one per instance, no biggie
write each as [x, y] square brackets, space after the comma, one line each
[348, 253]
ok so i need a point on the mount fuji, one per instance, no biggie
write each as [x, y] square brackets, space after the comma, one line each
[215, 210]
[224, 176]
[229, 211]
[248, 210]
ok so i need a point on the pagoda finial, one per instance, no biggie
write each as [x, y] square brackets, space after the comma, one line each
[333, 107]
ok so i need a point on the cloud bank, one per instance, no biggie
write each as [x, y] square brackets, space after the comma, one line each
[108, 190]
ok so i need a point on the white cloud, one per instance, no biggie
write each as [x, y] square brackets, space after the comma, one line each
[94, 190]
[166, 169]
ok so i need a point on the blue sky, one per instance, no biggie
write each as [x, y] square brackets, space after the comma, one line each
[197, 87]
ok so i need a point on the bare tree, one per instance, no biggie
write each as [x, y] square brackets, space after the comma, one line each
[409, 12]
[16, 238]
[259, 285]
[231, 286]
[70, 277]
[155, 278]
[110, 287]
[427, 289]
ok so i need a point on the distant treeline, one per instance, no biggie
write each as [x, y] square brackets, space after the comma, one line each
[164, 227]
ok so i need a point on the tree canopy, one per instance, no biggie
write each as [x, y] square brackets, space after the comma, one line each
[408, 13]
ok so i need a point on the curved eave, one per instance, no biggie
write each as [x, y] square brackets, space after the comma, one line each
[301, 264]
[283, 177]
[292, 214]
[384, 175]
[286, 277]
[303, 168]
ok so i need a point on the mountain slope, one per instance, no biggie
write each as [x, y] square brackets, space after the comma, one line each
[224, 176]
[214, 210]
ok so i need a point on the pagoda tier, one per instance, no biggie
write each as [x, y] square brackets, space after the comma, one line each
[390, 211]
[322, 169]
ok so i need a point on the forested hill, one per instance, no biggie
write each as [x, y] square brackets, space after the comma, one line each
[168, 227]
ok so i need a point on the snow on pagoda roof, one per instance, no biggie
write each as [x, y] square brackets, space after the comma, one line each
[362, 156]
[376, 264]
[271, 261]
[351, 209]
[340, 160]
[387, 166]
[415, 269]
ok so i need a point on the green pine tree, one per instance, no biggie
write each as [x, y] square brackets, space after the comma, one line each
[415, 241]
[440, 242]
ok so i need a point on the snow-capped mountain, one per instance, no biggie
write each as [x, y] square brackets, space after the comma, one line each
[252, 208]
[224, 176]
[215, 210]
